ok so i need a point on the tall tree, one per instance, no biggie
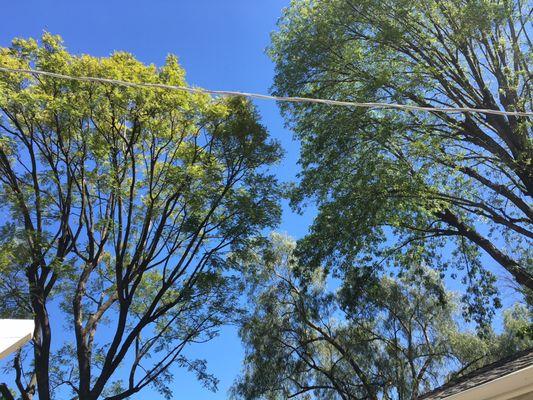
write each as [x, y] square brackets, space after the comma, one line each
[122, 205]
[463, 179]
[374, 338]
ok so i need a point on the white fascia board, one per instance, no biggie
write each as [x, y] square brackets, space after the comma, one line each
[504, 388]
[14, 333]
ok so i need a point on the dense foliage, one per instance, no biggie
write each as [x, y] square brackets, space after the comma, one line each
[448, 186]
[119, 207]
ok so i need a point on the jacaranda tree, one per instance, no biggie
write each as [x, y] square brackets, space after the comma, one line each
[119, 207]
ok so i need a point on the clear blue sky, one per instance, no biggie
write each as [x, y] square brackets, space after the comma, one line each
[221, 46]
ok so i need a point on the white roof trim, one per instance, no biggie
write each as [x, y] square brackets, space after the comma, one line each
[14, 333]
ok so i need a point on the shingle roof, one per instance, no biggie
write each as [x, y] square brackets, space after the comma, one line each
[482, 375]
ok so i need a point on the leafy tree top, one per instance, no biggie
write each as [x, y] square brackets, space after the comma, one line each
[387, 181]
[121, 205]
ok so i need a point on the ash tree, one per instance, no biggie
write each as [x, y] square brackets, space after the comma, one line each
[119, 207]
[385, 180]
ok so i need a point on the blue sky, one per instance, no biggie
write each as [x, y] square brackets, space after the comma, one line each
[221, 46]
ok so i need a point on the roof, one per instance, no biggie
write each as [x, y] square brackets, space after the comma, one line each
[14, 333]
[482, 375]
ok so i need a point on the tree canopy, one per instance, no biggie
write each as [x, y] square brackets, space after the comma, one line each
[387, 181]
[133, 218]
[384, 339]
[119, 207]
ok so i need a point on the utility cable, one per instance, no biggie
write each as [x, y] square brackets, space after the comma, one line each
[229, 93]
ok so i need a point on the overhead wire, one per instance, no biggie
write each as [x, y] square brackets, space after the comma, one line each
[287, 99]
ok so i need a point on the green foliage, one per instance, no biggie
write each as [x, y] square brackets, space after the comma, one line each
[446, 187]
[123, 204]
[373, 337]
[13, 254]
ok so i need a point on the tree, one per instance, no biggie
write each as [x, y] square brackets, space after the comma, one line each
[374, 338]
[443, 179]
[124, 203]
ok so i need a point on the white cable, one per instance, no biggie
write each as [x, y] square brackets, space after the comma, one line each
[448, 110]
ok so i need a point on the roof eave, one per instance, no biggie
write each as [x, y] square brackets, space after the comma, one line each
[506, 387]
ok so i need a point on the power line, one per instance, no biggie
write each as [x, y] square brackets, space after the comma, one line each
[445, 110]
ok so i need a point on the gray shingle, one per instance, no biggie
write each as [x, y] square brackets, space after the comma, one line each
[482, 375]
